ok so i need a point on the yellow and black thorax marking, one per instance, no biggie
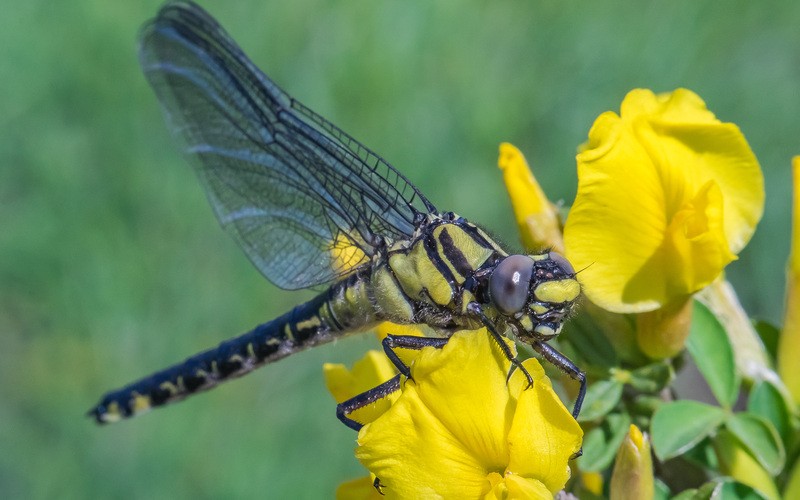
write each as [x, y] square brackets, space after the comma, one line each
[423, 280]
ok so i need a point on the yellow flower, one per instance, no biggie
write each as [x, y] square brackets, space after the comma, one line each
[592, 482]
[789, 348]
[537, 219]
[667, 195]
[460, 430]
[633, 468]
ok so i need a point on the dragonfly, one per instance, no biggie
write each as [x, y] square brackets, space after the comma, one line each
[312, 207]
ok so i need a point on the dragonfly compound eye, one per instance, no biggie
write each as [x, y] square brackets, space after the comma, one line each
[562, 263]
[508, 286]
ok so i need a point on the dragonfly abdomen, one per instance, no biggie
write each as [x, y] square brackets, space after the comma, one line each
[315, 322]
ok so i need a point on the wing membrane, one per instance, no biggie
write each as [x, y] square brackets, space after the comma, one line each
[295, 191]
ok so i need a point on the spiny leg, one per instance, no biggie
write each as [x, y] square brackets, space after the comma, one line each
[345, 408]
[475, 309]
[392, 342]
[564, 364]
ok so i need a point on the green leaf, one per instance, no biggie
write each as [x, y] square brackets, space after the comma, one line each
[652, 378]
[661, 490]
[735, 490]
[600, 444]
[589, 342]
[760, 438]
[601, 398]
[643, 407]
[702, 456]
[686, 495]
[707, 490]
[712, 353]
[720, 490]
[678, 426]
[767, 402]
[702, 493]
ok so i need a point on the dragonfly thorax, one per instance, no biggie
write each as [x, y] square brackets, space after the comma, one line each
[533, 293]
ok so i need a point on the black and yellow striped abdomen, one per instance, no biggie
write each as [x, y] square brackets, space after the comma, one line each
[343, 309]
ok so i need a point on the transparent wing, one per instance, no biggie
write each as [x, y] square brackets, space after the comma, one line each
[304, 200]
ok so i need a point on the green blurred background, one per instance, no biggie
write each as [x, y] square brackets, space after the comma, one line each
[112, 266]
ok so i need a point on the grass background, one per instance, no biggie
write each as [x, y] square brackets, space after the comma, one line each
[112, 266]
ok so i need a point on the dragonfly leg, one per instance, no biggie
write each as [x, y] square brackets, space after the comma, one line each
[499, 338]
[345, 408]
[565, 365]
[378, 486]
[392, 342]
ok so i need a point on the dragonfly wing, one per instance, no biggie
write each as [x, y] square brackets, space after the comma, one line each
[303, 199]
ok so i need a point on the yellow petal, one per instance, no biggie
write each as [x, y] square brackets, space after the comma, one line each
[667, 194]
[696, 242]
[358, 489]
[789, 348]
[592, 482]
[794, 256]
[416, 456]
[618, 220]
[537, 219]
[662, 333]
[691, 140]
[514, 487]
[448, 428]
[465, 385]
[679, 106]
[519, 383]
[372, 370]
[407, 356]
[543, 435]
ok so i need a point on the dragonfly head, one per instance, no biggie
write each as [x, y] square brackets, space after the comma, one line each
[534, 293]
